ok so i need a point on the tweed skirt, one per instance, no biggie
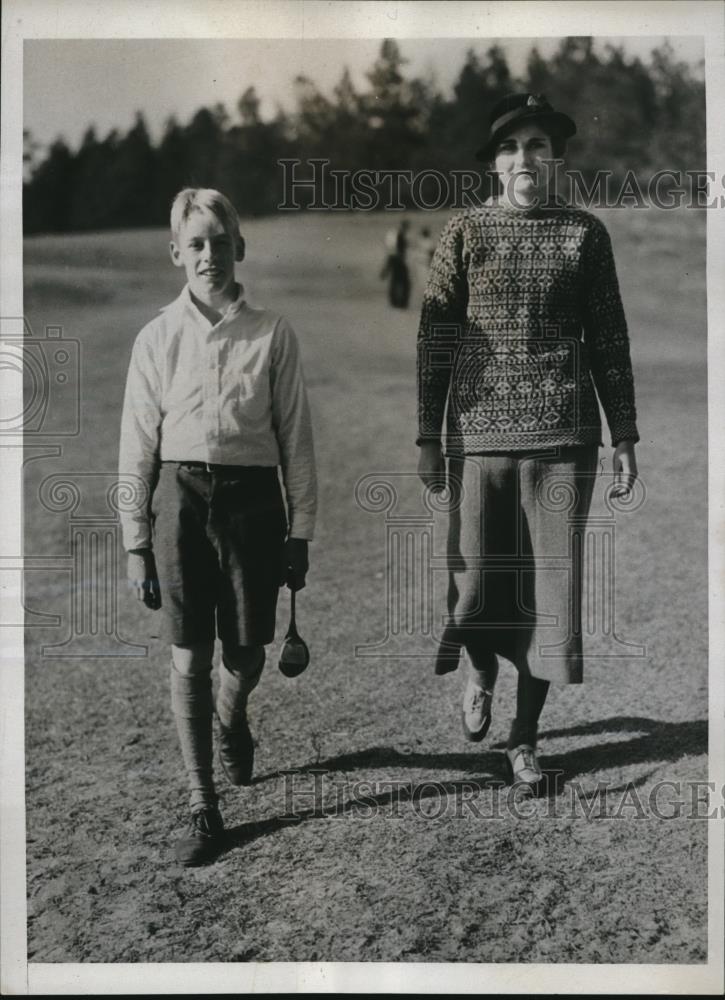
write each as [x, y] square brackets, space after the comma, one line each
[515, 559]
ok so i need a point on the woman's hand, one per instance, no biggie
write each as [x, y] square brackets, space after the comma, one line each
[432, 466]
[143, 578]
[295, 563]
[624, 464]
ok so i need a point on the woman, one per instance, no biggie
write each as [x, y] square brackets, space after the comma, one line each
[522, 327]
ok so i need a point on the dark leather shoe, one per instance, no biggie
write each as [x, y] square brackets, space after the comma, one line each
[203, 840]
[236, 752]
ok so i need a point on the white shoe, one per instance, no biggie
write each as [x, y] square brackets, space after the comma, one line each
[476, 711]
[523, 765]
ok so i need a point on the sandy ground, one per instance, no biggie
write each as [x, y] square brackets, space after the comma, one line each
[394, 839]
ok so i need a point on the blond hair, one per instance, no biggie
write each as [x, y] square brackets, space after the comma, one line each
[204, 199]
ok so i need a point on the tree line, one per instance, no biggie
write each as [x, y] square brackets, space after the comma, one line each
[632, 116]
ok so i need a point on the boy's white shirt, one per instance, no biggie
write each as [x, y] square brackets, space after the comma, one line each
[228, 394]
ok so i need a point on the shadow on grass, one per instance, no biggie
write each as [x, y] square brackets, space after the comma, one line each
[456, 791]
[656, 742]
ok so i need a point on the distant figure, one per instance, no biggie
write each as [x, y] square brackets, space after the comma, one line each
[395, 268]
[424, 251]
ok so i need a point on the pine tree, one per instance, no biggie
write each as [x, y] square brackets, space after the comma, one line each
[131, 178]
[248, 108]
[632, 116]
[46, 196]
[172, 169]
[395, 128]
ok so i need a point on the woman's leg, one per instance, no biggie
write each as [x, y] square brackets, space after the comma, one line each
[530, 697]
[482, 666]
[191, 704]
[556, 492]
[478, 693]
[482, 534]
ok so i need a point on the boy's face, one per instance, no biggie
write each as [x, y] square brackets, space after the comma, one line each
[207, 252]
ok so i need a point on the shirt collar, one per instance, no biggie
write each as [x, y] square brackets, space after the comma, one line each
[187, 303]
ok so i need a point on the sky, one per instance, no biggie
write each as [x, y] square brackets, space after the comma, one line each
[71, 84]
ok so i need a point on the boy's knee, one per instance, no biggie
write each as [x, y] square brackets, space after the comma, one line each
[246, 660]
[193, 659]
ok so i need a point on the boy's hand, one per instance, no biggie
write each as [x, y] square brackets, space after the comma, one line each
[295, 563]
[143, 578]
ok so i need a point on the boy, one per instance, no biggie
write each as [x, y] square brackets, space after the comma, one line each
[215, 401]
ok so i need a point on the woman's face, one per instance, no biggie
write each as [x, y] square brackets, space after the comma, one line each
[520, 162]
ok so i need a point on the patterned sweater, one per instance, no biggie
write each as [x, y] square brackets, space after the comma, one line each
[521, 322]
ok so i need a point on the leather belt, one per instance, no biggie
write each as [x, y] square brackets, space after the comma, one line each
[211, 468]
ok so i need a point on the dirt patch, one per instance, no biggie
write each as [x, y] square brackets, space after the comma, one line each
[406, 848]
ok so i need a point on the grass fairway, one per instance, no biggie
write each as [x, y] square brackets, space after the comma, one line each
[450, 873]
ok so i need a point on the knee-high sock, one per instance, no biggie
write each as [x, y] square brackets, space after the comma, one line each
[530, 697]
[235, 686]
[484, 666]
[191, 704]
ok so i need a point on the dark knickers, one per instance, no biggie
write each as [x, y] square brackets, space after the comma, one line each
[218, 541]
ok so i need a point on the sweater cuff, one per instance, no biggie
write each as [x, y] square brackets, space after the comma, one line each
[625, 431]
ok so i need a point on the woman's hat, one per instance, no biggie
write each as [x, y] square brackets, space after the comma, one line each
[523, 109]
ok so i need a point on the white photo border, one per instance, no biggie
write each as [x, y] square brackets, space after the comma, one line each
[195, 19]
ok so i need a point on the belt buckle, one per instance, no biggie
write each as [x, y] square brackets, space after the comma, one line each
[208, 468]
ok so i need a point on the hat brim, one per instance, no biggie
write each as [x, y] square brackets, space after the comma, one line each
[558, 123]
